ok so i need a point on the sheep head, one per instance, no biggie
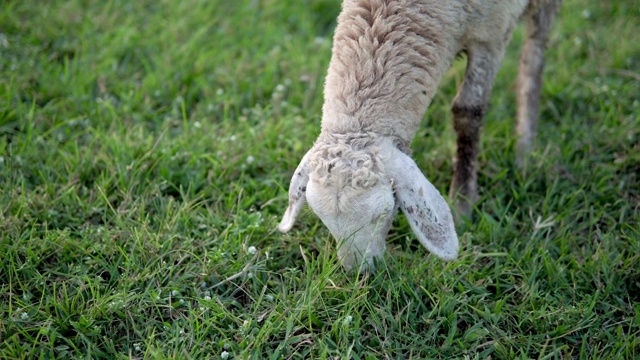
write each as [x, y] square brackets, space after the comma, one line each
[355, 183]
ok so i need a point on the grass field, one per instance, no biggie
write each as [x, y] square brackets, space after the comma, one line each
[145, 152]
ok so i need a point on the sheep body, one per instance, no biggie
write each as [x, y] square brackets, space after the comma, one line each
[388, 58]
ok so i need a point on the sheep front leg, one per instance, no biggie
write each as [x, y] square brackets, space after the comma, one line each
[530, 76]
[468, 109]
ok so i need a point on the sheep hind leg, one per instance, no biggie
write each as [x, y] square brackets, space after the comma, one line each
[468, 109]
[530, 76]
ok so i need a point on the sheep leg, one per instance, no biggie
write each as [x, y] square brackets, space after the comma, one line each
[530, 76]
[468, 109]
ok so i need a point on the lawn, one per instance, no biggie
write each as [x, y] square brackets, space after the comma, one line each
[145, 153]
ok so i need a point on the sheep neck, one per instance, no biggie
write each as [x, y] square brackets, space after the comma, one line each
[388, 58]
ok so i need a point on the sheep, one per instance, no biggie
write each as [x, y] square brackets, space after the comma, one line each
[387, 59]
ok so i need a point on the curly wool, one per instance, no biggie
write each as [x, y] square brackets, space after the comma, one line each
[352, 160]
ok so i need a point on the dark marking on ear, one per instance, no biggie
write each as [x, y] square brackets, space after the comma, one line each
[410, 209]
[424, 92]
[429, 213]
[433, 233]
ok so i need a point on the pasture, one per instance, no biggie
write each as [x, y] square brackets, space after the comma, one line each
[145, 152]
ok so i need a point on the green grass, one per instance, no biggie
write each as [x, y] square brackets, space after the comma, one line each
[146, 148]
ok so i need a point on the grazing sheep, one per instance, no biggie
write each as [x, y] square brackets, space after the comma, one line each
[388, 58]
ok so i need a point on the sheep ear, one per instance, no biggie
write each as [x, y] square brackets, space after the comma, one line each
[297, 194]
[427, 211]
